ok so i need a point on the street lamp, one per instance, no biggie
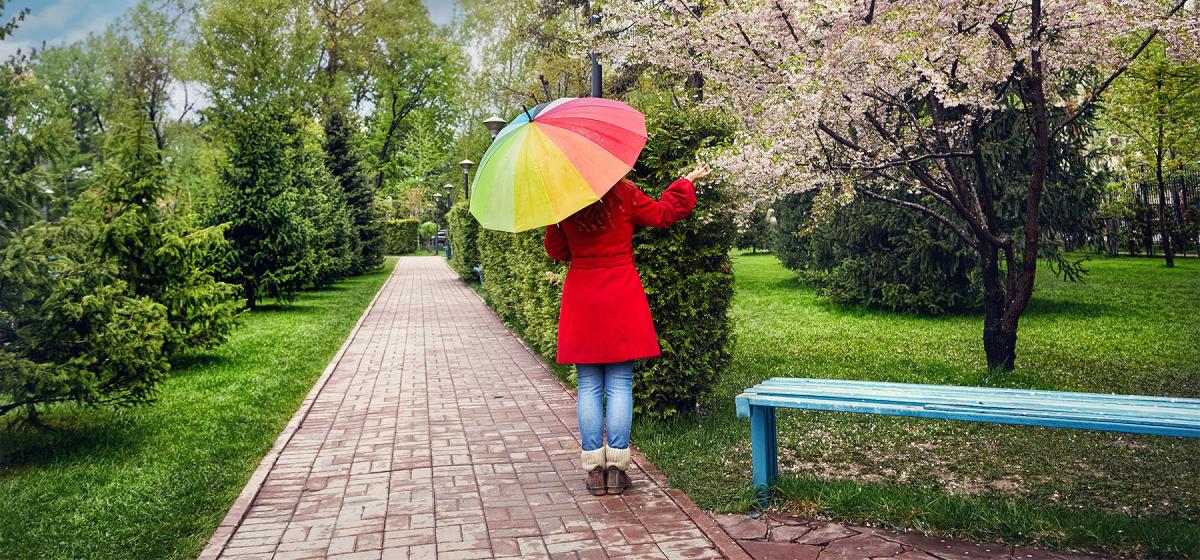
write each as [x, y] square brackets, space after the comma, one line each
[437, 205]
[466, 166]
[494, 124]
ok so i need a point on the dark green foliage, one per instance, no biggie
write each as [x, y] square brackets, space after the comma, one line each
[158, 253]
[271, 252]
[685, 268]
[878, 254]
[335, 247]
[523, 285]
[464, 241]
[70, 329]
[400, 236]
[882, 255]
[756, 233]
[345, 164]
[154, 483]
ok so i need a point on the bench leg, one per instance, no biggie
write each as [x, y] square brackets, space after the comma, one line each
[763, 449]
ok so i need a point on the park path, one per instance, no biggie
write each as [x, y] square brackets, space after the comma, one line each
[436, 433]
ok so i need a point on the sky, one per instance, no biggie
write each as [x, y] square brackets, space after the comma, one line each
[65, 21]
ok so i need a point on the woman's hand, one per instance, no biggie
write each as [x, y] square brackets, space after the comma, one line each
[701, 171]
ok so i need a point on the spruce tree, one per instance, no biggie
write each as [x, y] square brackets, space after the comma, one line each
[344, 162]
[334, 237]
[157, 251]
[269, 239]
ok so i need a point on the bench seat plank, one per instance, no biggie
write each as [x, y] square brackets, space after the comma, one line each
[955, 390]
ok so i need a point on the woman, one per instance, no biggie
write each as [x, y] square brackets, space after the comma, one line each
[604, 322]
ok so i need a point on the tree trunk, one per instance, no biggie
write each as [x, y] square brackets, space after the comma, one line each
[1164, 230]
[251, 295]
[999, 342]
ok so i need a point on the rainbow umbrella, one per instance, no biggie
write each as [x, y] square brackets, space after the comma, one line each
[555, 159]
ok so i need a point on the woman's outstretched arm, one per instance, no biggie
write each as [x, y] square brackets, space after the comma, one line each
[675, 204]
[556, 243]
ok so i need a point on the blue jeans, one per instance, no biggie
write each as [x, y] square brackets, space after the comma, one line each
[598, 382]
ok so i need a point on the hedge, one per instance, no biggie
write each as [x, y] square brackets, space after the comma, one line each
[464, 241]
[685, 270]
[400, 236]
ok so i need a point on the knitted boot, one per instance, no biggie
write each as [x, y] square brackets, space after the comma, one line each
[617, 460]
[593, 463]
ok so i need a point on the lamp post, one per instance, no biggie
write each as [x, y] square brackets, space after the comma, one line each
[494, 124]
[437, 205]
[597, 75]
[466, 166]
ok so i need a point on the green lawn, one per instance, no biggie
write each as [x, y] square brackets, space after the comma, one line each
[154, 481]
[1132, 327]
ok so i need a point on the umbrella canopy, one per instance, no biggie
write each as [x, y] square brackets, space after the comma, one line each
[555, 159]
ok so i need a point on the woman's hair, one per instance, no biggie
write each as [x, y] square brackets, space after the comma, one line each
[598, 215]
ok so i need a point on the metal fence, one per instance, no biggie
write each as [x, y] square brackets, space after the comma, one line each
[1181, 193]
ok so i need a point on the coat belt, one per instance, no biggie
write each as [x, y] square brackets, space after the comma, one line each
[610, 261]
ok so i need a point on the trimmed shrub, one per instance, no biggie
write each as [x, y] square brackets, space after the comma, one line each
[426, 231]
[464, 241]
[400, 236]
[523, 285]
[684, 268]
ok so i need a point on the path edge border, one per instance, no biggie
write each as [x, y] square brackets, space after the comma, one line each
[241, 505]
[712, 531]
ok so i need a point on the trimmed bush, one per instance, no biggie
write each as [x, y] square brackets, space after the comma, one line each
[464, 241]
[400, 236]
[684, 268]
[523, 285]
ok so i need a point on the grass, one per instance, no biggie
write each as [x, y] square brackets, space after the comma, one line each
[1132, 327]
[155, 481]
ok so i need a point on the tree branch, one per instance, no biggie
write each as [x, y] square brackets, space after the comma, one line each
[924, 210]
[1095, 95]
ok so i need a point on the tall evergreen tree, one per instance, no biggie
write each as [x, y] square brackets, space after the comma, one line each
[343, 159]
[268, 235]
[158, 252]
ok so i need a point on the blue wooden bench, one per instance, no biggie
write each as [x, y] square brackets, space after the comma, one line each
[1083, 411]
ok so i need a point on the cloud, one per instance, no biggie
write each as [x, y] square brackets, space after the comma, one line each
[58, 22]
[51, 18]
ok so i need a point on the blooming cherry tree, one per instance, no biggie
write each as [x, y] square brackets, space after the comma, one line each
[873, 98]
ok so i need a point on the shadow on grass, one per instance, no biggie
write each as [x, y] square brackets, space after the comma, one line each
[283, 307]
[86, 434]
[197, 359]
[1067, 309]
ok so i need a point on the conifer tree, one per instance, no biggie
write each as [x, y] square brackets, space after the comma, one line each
[343, 159]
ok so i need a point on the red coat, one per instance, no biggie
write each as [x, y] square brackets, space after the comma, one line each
[605, 317]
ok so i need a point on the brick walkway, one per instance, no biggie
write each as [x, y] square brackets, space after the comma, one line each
[436, 433]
